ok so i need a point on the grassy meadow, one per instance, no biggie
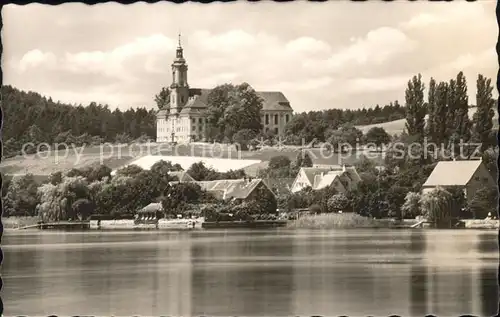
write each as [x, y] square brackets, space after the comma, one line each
[116, 156]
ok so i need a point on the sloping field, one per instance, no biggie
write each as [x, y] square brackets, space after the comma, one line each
[45, 163]
[397, 126]
[391, 127]
[221, 157]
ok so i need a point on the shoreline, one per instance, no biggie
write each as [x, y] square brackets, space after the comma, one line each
[323, 221]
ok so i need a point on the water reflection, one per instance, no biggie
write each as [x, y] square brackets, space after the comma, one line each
[252, 273]
[488, 277]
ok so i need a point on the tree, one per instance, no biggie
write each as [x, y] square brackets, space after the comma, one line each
[411, 206]
[162, 98]
[463, 124]
[55, 178]
[395, 197]
[483, 118]
[218, 100]
[458, 124]
[244, 110]
[176, 197]
[199, 171]
[315, 209]
[438, 117]
[436, 206]
[415, 108]
[378, 136]
[244, 137]
[56, 201]
[489, 158]
[129, 170]
[163, 168]
[431, 110]
[279, 161]
[21, 198]
[83, 208]
[302, 160]
[485, 201]
[233, 108]
[98, 173]
[458, 201]
[337, 202]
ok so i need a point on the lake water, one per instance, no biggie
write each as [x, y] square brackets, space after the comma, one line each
[251, 273]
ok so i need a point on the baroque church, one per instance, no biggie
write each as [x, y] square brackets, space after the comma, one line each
[183, 118]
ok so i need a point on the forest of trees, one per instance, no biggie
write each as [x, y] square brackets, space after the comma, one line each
[30, 117]
[447, 108]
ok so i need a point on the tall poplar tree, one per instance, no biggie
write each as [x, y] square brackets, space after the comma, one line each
[415, 107]
[440, 114]
[431, 110]
[483, 118]
[463, 123]
[459, 125]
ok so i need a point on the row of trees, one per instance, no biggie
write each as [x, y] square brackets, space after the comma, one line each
[80, 193]
[447, 112]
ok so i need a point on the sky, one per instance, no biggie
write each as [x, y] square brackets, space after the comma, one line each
[336, 54]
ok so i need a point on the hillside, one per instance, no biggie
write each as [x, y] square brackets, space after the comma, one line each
[31, 117]
[397, 126]
[119, 156]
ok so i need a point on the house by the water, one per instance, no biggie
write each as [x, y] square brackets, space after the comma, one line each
[470, 175]
[343, 178]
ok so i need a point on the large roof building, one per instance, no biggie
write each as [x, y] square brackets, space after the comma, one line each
[183, 118]
[470, 175]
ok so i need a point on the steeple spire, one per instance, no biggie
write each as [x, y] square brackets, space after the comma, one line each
[179, 54]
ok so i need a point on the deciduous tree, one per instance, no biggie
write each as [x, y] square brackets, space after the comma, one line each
[483, 117]
[415, 108]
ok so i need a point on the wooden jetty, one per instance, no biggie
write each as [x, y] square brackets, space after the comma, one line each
[62, 225]
[243, 224]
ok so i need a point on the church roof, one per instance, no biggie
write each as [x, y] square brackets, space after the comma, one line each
[274, 100]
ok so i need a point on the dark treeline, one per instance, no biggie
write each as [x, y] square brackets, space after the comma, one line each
[319, 124]
[30, 117]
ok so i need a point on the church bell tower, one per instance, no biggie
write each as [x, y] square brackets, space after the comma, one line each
[179, 89]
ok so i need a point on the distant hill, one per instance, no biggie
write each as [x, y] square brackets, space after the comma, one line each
[397, 126]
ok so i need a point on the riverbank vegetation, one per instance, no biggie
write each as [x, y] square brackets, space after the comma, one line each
[80, 194]
[394, 191]
[389, 191]
[338, 221]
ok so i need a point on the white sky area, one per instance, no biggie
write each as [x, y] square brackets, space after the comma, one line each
[336, 54]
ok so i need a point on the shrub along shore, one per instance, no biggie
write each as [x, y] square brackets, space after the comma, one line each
[321, 221]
